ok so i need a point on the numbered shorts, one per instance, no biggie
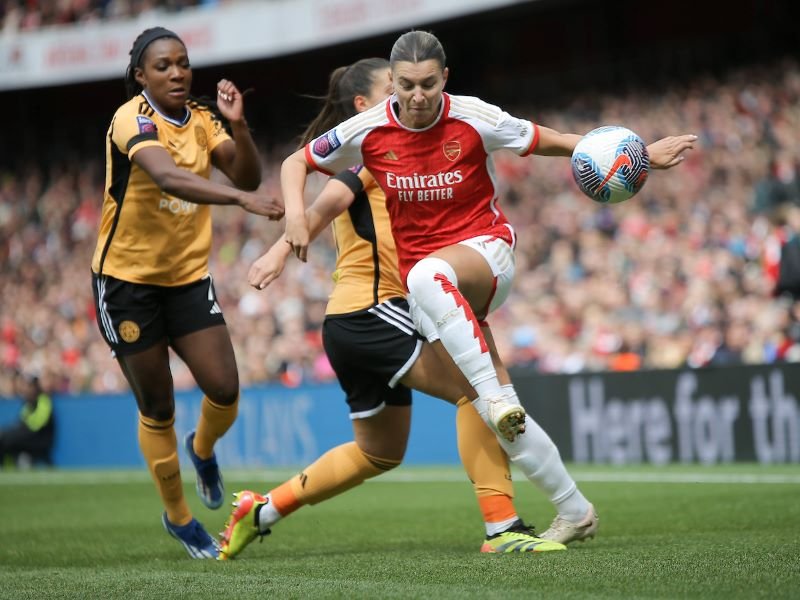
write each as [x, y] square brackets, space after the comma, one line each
[133, 317]
[370, 351]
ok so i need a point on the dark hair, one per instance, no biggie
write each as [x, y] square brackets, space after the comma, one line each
[344, 85]
[140, 44]
[417, 47]
[132, 87]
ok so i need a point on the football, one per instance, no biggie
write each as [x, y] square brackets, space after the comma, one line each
[610, 164]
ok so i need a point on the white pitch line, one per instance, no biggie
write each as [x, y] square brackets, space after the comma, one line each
[413, 475]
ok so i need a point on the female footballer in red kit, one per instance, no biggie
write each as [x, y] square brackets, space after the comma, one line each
[430, 152]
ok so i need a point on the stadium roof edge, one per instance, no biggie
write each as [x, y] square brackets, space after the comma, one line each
[240, 31]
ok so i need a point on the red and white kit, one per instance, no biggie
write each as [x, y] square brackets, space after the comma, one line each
[439, 181]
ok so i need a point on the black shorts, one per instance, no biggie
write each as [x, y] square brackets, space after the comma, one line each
[370, 351]
[133, 316]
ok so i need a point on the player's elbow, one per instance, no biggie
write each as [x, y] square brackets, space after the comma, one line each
[295, 163]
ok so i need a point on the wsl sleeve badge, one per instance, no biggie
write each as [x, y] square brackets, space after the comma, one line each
[610, 164]
[326, 143]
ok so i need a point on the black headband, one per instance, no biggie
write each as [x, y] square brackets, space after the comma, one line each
[148, 38]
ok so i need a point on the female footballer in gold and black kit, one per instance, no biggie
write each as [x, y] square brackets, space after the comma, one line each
[152, 287]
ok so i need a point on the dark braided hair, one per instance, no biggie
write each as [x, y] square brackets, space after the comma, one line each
[344, 85]
[133, 87]
[140, 44]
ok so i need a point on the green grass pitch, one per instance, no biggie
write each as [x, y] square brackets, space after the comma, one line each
[676, 532]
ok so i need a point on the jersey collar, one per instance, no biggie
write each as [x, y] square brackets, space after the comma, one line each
[178, 122]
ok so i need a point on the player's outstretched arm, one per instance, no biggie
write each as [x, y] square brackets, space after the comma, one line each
[183, 184]
[331, 202]
[554, 143]
[668, 152]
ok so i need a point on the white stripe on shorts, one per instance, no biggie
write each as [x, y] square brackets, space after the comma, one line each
[105, 317]
[394, 315]
[365, 414]
[406, 367]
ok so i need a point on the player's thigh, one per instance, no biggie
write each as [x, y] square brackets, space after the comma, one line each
[210, 357]
[130, 317]
[370, 351]
[475, 278]
[198, 334]
[385, 434]
[434, 373]
[150, 378]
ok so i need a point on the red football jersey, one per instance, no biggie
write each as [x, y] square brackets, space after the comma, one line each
[439, 181]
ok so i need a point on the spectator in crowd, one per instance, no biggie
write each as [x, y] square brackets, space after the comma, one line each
[30, 439]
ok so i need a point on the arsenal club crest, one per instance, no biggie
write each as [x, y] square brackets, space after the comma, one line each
[452, 150]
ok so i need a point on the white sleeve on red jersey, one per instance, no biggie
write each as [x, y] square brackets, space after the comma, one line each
[340, 148]
[498, 129]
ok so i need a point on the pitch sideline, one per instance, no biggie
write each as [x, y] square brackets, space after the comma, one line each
[404, 475]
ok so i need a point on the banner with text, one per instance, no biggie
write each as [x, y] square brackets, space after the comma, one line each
[215, 35]
[708, 416]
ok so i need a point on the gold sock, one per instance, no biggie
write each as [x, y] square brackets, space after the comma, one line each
[486, 464]
[215, 419]
[336, 471]
[160, 450]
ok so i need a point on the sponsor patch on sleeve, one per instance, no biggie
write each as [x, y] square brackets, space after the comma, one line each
[146, 125]
[356, 170]
[325, 144]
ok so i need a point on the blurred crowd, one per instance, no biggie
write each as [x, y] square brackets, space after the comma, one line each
[681, 275]
[29, 15]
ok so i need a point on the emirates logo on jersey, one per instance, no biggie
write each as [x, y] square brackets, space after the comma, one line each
[452, 150]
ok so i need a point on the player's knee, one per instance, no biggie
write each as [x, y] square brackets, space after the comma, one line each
[155, 405]
[225, 393]
[384, 457]
[161, 414]
[430, 275]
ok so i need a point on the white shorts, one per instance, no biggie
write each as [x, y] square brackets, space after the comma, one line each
[500, 258]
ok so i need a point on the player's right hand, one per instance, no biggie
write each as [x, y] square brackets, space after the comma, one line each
[297, 237]
[262, 205]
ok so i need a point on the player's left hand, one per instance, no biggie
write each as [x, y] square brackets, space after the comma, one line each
[229, 100]
[269, 266]
[668, 152]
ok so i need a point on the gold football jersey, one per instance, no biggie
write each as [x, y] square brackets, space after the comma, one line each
[146, 235]
[366, 265]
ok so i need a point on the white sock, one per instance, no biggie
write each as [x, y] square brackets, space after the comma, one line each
[501, 526]
[535, 454]
[268, 515]
[434, 286]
